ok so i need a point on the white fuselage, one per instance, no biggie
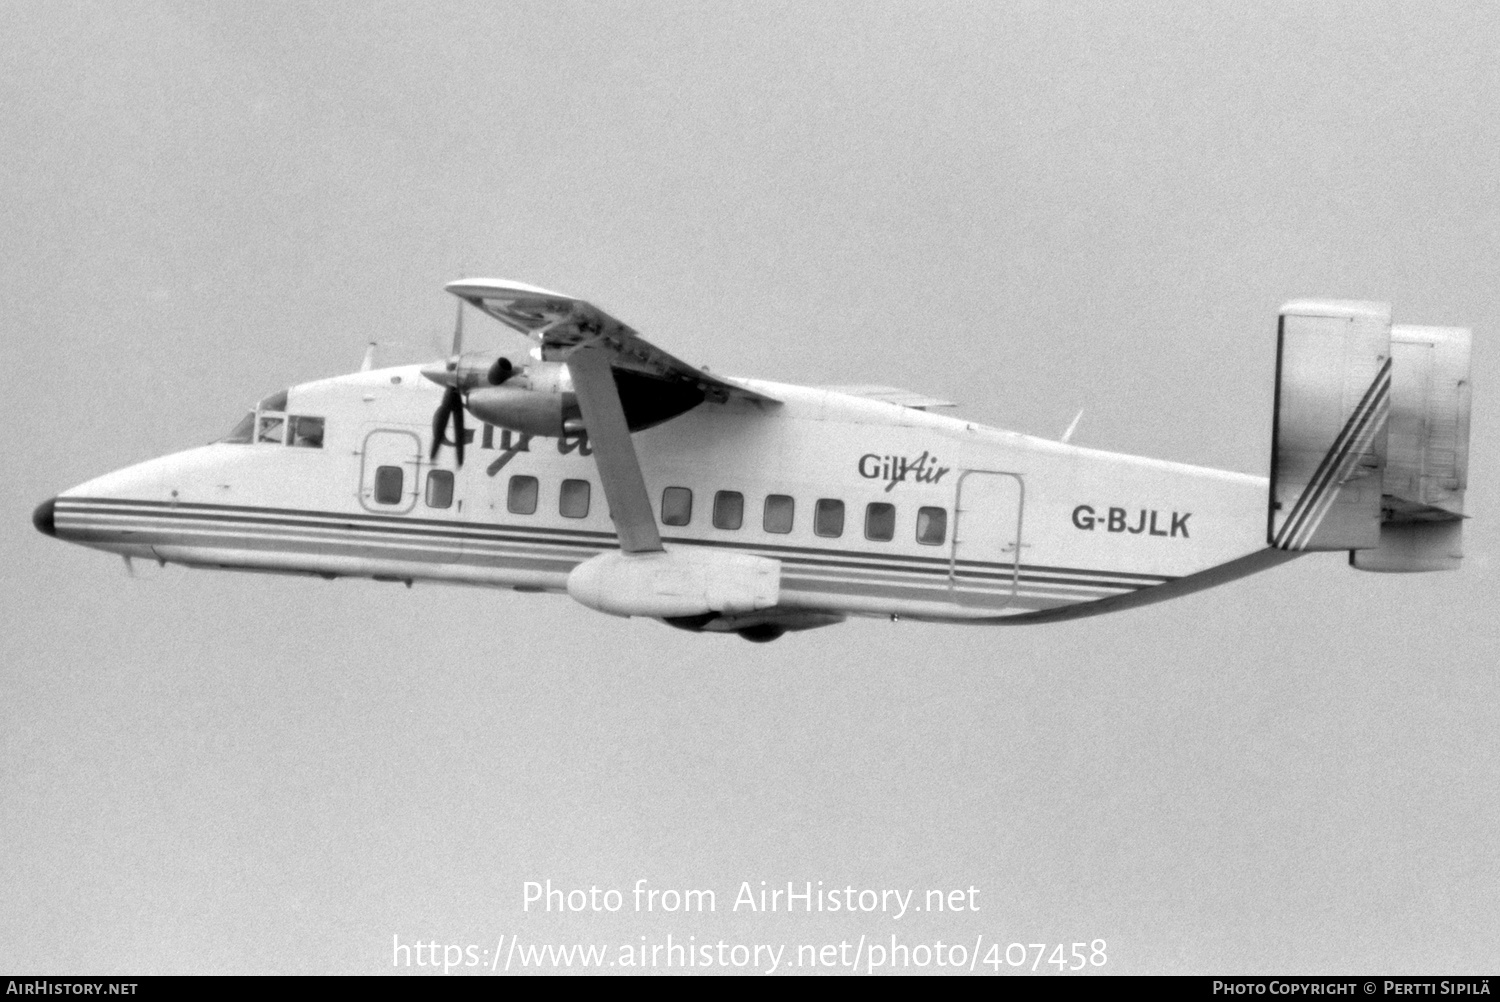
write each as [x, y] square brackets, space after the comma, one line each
[981, 524]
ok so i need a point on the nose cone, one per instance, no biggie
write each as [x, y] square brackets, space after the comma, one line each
[43, 518]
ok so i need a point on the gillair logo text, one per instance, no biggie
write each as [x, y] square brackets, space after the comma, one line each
[894, 469]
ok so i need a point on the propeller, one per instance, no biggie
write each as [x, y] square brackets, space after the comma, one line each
[457, 378]
[452, 405]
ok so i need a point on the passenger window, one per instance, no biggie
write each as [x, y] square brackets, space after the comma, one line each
[573, 502]
[932, 526]
[779, 510]
[521, 499]
[828, 518]
[440, 489]
[388, 484]
[676, 506]
[880, 521]
[272, 428]
[729, 510]
[307, 432]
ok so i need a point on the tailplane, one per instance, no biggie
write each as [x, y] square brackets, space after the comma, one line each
[1370, 440]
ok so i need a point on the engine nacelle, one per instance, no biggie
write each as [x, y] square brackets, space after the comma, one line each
[538, 398]
[532, 412]
[534, 399]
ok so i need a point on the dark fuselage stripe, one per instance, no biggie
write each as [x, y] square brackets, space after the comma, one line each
[477, 534]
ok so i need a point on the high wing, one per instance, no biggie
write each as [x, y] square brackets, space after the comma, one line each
[561, 323]
[608, 362]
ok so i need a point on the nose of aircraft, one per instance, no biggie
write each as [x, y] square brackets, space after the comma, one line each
[44, 519]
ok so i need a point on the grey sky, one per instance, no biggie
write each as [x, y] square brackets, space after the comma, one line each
[1026, 208]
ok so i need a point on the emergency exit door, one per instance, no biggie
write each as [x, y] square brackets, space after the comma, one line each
[984, 566]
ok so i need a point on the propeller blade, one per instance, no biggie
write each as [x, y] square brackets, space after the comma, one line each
[451, 407]
[440, 421]
[458, 429]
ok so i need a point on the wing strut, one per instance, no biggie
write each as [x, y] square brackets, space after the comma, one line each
[614, 452]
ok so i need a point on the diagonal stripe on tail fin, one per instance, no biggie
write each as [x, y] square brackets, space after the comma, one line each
[1353, 440]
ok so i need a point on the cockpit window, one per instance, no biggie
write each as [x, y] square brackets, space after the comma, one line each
[242, 431]
[272, 428]
[307, 432]
[269, 424]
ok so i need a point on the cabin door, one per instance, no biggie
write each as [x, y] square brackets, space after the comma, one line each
[389, 471]
[984, 566]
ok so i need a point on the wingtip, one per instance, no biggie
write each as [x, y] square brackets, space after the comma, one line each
[466, 288]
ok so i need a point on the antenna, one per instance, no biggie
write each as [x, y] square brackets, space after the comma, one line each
[1069, 433]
